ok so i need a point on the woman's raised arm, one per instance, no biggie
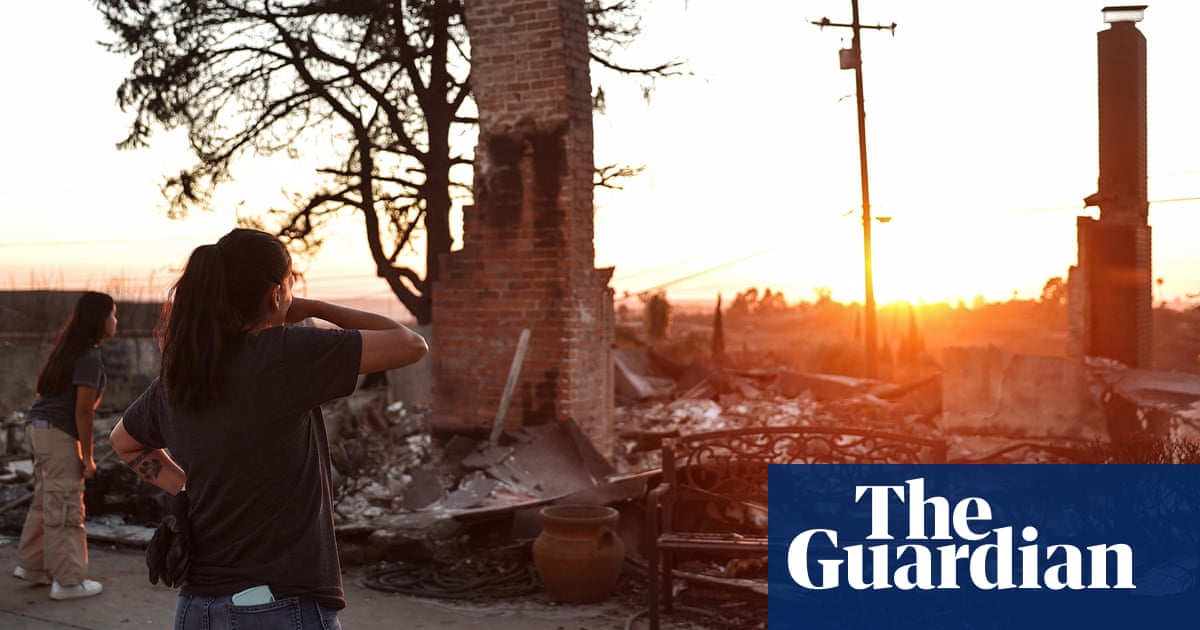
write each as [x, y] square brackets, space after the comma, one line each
[386, 344]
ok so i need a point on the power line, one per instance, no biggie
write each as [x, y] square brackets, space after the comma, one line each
[74, 190]
[703, 272]
[1044, 208]
[96, 242]
[1070, 208]
[669, 265]
[1153, 201]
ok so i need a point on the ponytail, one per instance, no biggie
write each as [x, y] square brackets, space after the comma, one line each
[210, 307]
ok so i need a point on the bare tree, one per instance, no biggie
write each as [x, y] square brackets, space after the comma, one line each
[381, 87]
[1054, 292]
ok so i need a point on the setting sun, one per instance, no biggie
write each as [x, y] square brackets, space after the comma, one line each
[982, 148]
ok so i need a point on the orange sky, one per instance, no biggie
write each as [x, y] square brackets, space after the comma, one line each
[981, 133]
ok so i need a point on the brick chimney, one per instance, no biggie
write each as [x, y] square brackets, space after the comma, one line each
[1111, 289]
[528, 260]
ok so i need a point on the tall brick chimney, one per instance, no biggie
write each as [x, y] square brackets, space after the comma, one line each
[1111, 287]
[528, 258]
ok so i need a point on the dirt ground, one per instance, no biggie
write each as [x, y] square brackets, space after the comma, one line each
[130, 601]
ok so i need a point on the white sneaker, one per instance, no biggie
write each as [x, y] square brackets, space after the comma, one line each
[33, 576]
[86, 588]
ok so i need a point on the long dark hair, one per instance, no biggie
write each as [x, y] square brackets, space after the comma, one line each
[218, 298]
[83, 330]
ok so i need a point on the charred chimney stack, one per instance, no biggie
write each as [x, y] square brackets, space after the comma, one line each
[1111, 286]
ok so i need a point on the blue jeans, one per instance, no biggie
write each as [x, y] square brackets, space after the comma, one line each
[218, 613]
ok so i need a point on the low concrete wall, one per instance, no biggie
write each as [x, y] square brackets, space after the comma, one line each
[19, 365]
[131, 364]
[413, 384]
[991, 390]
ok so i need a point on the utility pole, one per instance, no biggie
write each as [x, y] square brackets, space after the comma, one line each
[851, 59]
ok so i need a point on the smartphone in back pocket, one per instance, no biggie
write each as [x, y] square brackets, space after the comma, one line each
[253, 596]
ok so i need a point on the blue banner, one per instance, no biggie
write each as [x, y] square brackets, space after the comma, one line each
[987, 547]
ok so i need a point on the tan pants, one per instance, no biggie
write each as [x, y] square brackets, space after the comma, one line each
[53, 538]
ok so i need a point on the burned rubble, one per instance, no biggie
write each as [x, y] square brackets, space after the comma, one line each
[453, 516]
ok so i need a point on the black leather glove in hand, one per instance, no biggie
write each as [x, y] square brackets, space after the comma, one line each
[167, 553]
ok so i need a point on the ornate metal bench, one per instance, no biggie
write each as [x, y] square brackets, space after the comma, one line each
[713, 495]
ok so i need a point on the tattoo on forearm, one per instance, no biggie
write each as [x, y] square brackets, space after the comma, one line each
[137, 460]
[150, 469]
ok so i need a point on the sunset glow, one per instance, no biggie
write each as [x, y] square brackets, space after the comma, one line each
[981, 136]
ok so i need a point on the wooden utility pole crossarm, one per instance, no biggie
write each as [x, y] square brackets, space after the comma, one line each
[851, 59]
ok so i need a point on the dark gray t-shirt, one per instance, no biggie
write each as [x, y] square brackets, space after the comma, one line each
[257, 464]
[58, 408]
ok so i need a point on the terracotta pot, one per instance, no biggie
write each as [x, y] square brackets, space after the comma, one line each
[579, 554]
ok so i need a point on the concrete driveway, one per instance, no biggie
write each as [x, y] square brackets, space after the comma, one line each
[130, 601]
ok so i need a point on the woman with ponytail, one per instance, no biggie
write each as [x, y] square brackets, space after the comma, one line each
[235, 416]
[53, 548]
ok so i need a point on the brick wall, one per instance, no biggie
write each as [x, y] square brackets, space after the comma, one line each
[1112, 304]
[1114, 259]
[527, 259]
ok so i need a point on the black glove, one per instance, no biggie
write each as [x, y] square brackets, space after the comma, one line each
[167, 553]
